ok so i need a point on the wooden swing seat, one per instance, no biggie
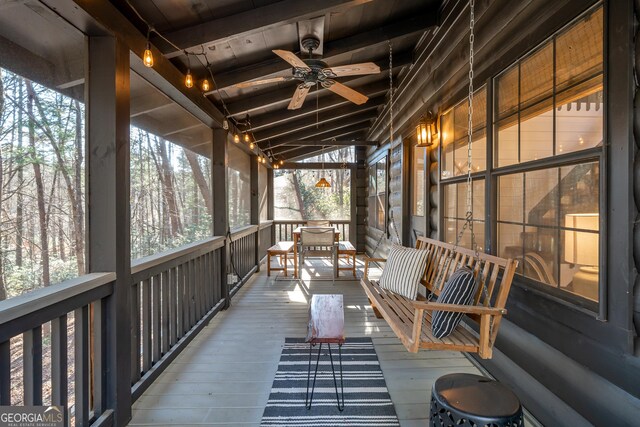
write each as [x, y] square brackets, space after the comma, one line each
[411, 320]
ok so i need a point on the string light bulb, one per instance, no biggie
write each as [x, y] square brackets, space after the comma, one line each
[188, 80]
[236, 138]
[251, 145]
[259, 159]
[205, 85]
[147, 56]
[247, 138]
[281, 162]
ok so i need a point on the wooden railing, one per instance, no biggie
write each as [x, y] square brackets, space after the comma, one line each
[283, 229]
[173, 293]
[42, 319]
[242, 252]
[266, 238]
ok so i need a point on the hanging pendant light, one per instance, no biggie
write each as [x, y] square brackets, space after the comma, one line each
[323, 183]
[147, 56]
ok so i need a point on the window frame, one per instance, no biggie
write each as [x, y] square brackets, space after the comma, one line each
[373, 162]
[493, 172]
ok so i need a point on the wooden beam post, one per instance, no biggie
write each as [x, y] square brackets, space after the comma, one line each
[255, 203]
[271, 203]
[219, 165]
[108, 225]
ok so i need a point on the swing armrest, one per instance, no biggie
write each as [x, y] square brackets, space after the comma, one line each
[367, 260]
[459, 308]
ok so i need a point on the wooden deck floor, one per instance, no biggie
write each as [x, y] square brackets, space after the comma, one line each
[224, 376]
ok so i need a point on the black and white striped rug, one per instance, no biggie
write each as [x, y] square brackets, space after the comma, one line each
[367, 400]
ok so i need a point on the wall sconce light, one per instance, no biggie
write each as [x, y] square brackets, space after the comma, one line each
[427, 131]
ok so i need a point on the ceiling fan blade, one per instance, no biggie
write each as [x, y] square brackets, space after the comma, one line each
[355, 69]
[291, 58]
[262, 82]
[298, 97]
[348, 93]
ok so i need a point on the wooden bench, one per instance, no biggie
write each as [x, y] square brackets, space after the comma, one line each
[411, 320]
[346, 249]
[281, 250]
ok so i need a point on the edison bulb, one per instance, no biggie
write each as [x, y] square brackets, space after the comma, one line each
[188, 80]
[147, 58]
[205, 85]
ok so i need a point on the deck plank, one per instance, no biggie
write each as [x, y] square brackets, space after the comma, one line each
[224, 375]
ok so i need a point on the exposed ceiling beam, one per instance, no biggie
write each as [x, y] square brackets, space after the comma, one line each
[253, 21]
[336, 143]
[152, 100]
[313, 132]
[289, 165]
[356, 132]
[305, 153]
[341, 129]
[100, 17]
[275, 118]
[332, 49]
[324, 119]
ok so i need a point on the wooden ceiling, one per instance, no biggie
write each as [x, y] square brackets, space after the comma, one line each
[238, 36]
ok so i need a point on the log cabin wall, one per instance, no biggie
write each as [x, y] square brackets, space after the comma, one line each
[569, 366]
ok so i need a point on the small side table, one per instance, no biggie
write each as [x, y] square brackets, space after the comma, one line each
[326, 326]
[473, 400]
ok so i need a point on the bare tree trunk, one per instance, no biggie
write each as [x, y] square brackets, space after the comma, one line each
[3, 290]
[19, 198]
[42, 216]
[296, 187]
[200, 179]
[78, 218]
[166, 178]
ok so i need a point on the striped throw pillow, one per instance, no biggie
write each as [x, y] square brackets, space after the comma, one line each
[459, 289]
[403, 270]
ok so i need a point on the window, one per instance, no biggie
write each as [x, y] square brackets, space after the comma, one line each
[455, 136]
[548, 211]
[418, 180]
[296, 196]
[239, 188]
[548, 104]
[170, 195]
[263, 192]
[378, 194]
[455, 211]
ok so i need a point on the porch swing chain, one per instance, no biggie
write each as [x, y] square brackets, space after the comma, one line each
[468, 223]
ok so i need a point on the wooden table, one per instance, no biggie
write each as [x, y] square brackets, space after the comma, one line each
[326, 326]
[296, 236]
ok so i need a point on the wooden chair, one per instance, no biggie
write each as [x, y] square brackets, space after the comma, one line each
[411, 320]
[281, 250]
[348, 252]
[319, 223]
[313, 238]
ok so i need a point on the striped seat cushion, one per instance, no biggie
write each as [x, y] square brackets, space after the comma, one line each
[459, 289]
[403, 271]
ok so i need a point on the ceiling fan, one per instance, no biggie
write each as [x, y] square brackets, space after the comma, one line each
[313, 71]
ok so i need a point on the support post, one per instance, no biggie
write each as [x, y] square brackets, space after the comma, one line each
[219, 165]
[255, 204]
[270, 204]
[108, 225]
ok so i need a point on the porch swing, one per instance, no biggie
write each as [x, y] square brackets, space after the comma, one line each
[411, 320]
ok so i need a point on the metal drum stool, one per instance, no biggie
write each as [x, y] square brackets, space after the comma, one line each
[473, 401]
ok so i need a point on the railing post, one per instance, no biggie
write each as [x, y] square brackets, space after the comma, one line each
[270, 204]
[219, 166]
[255, 205]
[108, 225]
